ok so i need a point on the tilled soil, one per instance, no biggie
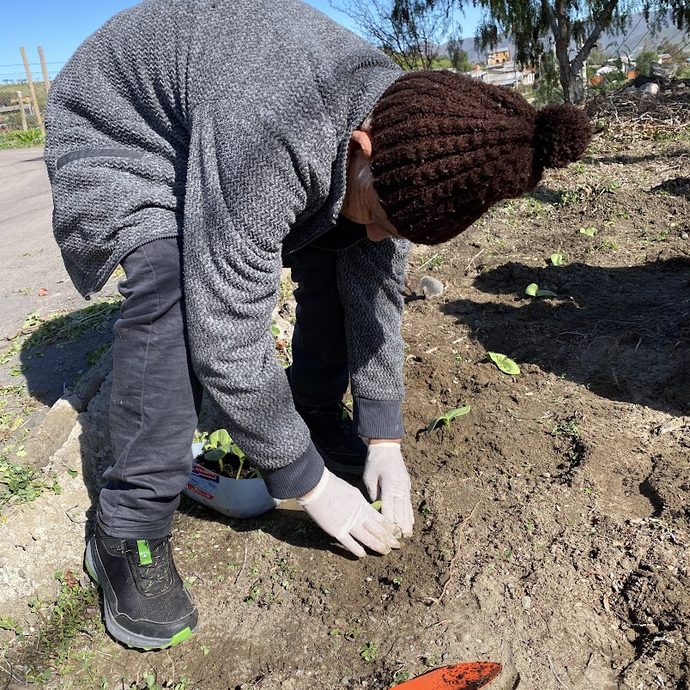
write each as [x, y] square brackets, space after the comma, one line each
[551, 529]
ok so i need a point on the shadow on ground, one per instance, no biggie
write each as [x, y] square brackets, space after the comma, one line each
[630, 326]
[58, 350]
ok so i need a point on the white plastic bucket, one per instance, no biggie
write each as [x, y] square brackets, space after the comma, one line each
[236, 498]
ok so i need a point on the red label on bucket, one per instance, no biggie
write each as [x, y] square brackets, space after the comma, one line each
[199, 471]
[201, 492]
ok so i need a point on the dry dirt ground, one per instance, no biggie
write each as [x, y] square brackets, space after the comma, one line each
[552, 520]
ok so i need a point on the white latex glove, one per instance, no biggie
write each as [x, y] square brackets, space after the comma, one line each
[341, 511]
[386, 478]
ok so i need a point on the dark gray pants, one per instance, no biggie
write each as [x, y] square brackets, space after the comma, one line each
[156, 396]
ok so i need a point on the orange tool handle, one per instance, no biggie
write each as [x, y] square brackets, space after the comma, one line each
[467, 676]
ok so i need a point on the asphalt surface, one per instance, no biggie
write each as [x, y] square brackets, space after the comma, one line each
[30, 259]
[33, 279]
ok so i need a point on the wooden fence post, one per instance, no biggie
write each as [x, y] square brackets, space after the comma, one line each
[20, 98]
[46, 78]
[39, 119]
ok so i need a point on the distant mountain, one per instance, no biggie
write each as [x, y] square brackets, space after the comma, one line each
[631, 43]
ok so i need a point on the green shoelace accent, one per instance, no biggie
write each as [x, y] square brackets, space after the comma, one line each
[144, 552]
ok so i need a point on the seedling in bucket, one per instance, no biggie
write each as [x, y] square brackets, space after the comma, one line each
[222, 479]
[221, 449]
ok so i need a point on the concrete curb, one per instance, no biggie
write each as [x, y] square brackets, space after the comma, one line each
[52, 433]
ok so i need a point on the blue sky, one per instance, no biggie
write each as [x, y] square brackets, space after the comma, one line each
[59, 26]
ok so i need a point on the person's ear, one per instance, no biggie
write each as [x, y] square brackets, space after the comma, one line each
[360, 140]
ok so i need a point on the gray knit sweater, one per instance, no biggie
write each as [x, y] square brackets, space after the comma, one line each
[227, 121]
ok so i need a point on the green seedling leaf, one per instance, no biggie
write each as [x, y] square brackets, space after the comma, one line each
[448, 417]
[533, 290]
[218, 439]
[376, 505]
[236, 450]
[590, 232]
[218, 445]
[505, 364]
[215, 455]
[556, 259]
[457, 412]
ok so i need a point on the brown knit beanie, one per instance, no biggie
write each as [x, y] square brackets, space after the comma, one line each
[447, 147]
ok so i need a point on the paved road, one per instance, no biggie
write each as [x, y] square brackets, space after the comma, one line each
[30, 261]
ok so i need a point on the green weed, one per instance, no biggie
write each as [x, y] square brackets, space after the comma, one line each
[432, 262]
[54, 650]
[567, 428]
[150, 681]
[21, 140]
[369, 651]
[94, 356]
[569, 197]
[606, 245]
[20, 483]
[400, 676]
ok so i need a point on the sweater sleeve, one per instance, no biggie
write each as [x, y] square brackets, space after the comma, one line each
[371, 282]
[244, 192]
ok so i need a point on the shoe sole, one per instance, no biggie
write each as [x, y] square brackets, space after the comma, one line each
[118, 631]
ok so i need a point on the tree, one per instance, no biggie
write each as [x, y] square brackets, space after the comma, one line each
[597, 56]
[546, 89]
[644, 61]
[459, 58]
[677, 52]
[409, 31]
[571, 27]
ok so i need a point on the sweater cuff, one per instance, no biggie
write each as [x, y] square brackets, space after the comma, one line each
[297, 478]
[378, 418]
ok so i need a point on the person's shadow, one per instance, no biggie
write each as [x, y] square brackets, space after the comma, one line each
[58, 351]
[622, 332]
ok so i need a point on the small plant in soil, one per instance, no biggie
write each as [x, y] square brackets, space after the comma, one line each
[220, 453]
[400, 676]
[505, 364]
[590, 232]
[448, 417]
[556, 258]
[533, 290]
[369, 651]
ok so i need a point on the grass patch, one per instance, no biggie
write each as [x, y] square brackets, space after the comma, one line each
[20, 483]
[22, 140]
[63, 643]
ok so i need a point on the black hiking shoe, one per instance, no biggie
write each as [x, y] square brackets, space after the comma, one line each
[343, 450]
[146, 605]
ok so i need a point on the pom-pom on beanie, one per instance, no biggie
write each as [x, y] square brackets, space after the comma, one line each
[446, 147]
